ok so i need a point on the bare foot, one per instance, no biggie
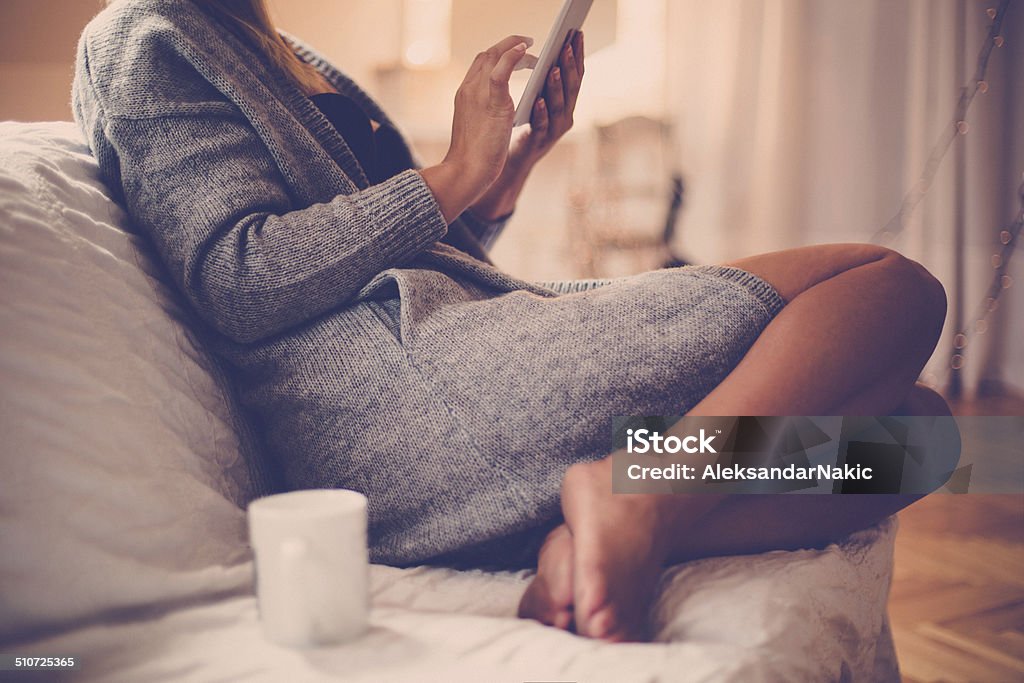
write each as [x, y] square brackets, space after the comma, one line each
[548, 598]
[617, 558]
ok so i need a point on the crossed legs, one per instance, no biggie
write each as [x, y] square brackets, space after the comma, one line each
[859, 324]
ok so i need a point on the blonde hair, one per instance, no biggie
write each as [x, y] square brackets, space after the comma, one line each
[250, 20]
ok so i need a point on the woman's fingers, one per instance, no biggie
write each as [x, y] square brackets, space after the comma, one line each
[578, 52]
[563, 86]
[554, 93]
[502, 71]
[486, 60]
[539, 122]
[570, 77]
[506, 44]
[527, 62]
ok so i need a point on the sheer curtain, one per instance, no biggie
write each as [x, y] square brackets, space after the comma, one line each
[806, 121]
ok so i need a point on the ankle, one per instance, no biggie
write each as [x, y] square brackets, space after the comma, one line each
[677, 519]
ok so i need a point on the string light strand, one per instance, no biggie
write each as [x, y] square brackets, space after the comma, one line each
[958, 127]
[1001, 281]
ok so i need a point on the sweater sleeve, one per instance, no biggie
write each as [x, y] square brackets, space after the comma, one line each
[486, 232]
[209, 194]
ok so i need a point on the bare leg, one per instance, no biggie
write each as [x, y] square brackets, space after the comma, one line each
[860, 323]
[792, 522]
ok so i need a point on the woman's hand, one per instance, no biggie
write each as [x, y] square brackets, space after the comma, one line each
[481, 130]
[552, 115]
[551, 118]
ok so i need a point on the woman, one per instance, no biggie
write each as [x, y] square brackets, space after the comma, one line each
[377, 349]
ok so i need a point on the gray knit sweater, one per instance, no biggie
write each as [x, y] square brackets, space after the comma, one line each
[259, 207]
[366, 353]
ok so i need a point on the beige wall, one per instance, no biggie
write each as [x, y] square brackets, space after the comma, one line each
[356, 35]
[37, 55]
[38, 37]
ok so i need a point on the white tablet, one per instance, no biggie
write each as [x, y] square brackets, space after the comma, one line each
[569, 19]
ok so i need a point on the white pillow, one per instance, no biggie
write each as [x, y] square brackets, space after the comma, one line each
[120, 471]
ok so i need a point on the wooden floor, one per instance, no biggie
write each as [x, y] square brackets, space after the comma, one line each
[957, 602]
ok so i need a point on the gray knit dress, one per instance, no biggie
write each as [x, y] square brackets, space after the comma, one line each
[367, 353]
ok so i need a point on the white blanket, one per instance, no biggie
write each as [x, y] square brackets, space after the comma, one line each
[800, 616]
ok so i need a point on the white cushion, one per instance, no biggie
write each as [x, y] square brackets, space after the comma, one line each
[120, 475]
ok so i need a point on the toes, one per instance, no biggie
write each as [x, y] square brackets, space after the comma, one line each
[609, 625]
[556, 564]
[564, 620]
[596, 615]
[537, 604]
[603, 624]
[548, 598]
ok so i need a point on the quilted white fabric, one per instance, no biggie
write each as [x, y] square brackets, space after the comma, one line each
[809, 616]
[120, 471]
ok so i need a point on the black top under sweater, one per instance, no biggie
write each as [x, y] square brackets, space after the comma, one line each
[381, 153]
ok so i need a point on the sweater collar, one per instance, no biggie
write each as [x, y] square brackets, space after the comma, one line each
[264, 77]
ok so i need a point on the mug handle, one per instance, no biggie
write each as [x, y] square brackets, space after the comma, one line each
[294, 555]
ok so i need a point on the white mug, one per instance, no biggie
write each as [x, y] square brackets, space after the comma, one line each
[312, 566]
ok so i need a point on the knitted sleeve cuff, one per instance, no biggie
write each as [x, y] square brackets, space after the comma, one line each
[405, 212]
[486, 232]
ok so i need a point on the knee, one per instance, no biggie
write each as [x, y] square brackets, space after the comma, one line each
[922, 296]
